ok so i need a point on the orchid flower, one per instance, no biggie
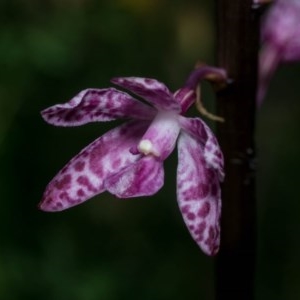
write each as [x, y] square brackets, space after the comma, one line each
[281, 40]
[127, 161]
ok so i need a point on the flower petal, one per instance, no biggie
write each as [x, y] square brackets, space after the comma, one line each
[143, 178]
[83, 177]
[186, 97]
[151, 90]
[92, 105]
[281, 29]
[210, 147]
[160, 138]
[198, 194]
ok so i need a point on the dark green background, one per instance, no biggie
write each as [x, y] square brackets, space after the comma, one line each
[107, 248]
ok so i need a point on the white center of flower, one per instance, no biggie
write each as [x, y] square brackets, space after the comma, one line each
[146, 147]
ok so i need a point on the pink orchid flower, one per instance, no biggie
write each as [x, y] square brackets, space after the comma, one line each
[281, 40]
[127, 161]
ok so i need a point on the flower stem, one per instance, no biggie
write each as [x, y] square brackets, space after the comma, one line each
[237, 53]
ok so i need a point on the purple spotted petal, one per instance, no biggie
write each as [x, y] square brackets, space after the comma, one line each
[97, 105]
[83, 177]
[198, 194]
[151, 90]
[210, 148]
[143, 178]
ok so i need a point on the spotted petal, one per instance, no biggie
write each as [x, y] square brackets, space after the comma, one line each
[92, 105]
[151, 90]
[198, 194]
[211, 150]
[83, 177]
[143, 178]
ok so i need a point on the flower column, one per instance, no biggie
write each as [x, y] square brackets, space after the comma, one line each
[237, 53]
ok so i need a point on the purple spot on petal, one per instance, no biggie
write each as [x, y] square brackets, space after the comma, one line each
[191, 227]
[78, 117]
[204, 210]
[134, 150]
[94, 102]
[203, 133]
[202, 161]
[211, 237]
[199, 238]
[214, 189]
[64, 169]
[208, 147]
[219, 154]
[85, 154]
[70, 115]
[190, 194]
[211, 232]
[209, 174]
[191, 216]
[63, 195]
[203, 190]
[83, 180]
[185, 209]
[200, 229]
[50, 110]
[95, 157]
[98, 114]
[61, 184]
[79, 166]
[48, 200]
[80, 193]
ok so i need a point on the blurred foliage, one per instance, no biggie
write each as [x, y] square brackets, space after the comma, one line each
[112, 249]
